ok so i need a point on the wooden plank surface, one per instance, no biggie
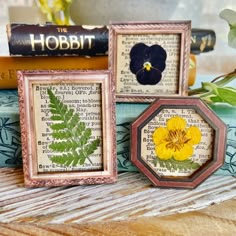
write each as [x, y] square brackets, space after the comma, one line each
[215, 220]
[131, 198]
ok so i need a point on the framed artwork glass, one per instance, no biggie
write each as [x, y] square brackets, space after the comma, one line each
[178, 142]
[149, 59]
[67, 127]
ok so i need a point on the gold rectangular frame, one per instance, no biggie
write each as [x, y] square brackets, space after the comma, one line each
[130, 69]
[32, 112]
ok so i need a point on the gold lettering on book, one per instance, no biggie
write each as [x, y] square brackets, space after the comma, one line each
[62, 30]
[62, 42]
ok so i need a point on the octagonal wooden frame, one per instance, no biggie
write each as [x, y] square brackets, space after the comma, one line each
[204, 171]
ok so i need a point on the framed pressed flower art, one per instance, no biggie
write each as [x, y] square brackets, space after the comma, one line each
[178, 142]
[67, 127]
[149, 59]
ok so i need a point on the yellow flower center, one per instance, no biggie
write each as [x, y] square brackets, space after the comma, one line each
[176, 139]
[147, 65]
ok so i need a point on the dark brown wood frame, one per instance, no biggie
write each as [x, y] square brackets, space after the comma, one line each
[218, 149]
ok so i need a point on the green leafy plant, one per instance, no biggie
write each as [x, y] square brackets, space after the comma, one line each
[216, 91]
[73, 138]
[230, 16]
[174, 165]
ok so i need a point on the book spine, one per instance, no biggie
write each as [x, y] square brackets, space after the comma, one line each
[10, 65]
[10, 140]
[54, 40]
[202, 40]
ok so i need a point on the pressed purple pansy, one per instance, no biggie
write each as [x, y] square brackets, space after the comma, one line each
[147, 63]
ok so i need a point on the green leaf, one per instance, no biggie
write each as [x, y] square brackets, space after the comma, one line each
[85, 137]
[64, 159]
[69, 114]
[55, 117]
[155, 162]
[58, 126]
[232, 37]
[216, 99]
[63, 146]
[172, 164]
[230, 16]
[90, 148]
[80, 128]
[228, 95]
[225, 79]
[64, 134]
[73, 146]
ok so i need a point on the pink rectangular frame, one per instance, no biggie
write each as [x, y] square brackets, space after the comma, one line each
[183, 28]
[32, 178]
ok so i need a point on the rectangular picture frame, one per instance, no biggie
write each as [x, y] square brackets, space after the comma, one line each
[149, 59]
[67, 127]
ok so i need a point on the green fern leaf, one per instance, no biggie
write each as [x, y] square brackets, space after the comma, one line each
[80, 128]
[69, 114]
[73, 137]
[74, 120]
[63, 159]
[58, 126]
[85, 137]
[62, 134]
[68, 159]
[56, 117]
[90, 148]
[63, 146]
[172, 164]
[52, 106]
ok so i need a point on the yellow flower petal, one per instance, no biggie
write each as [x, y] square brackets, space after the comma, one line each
[175, 123]
[184, 153]
[194, 135]
[159, 135]
[162, 152]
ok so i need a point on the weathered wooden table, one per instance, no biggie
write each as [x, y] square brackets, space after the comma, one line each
[129, 207]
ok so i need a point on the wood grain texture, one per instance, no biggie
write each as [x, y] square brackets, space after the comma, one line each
[219, 219]
[131, 198]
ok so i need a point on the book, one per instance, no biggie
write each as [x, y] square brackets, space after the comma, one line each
[51, 40]
[35, 40]
[10, 142]
[10, 64]
[202, 40]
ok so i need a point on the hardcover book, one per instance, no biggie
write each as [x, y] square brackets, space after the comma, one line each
[35, 40]
[202, 40]
[54, 40]
[10, 143]
[9, 66]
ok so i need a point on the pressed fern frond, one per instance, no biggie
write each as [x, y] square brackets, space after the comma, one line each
[63, 146]
[58, 126]
[73, 145]
[172, 164]
[62, 134]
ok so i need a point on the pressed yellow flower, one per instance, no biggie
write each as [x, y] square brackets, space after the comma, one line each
[57, 11]
[176, 140]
